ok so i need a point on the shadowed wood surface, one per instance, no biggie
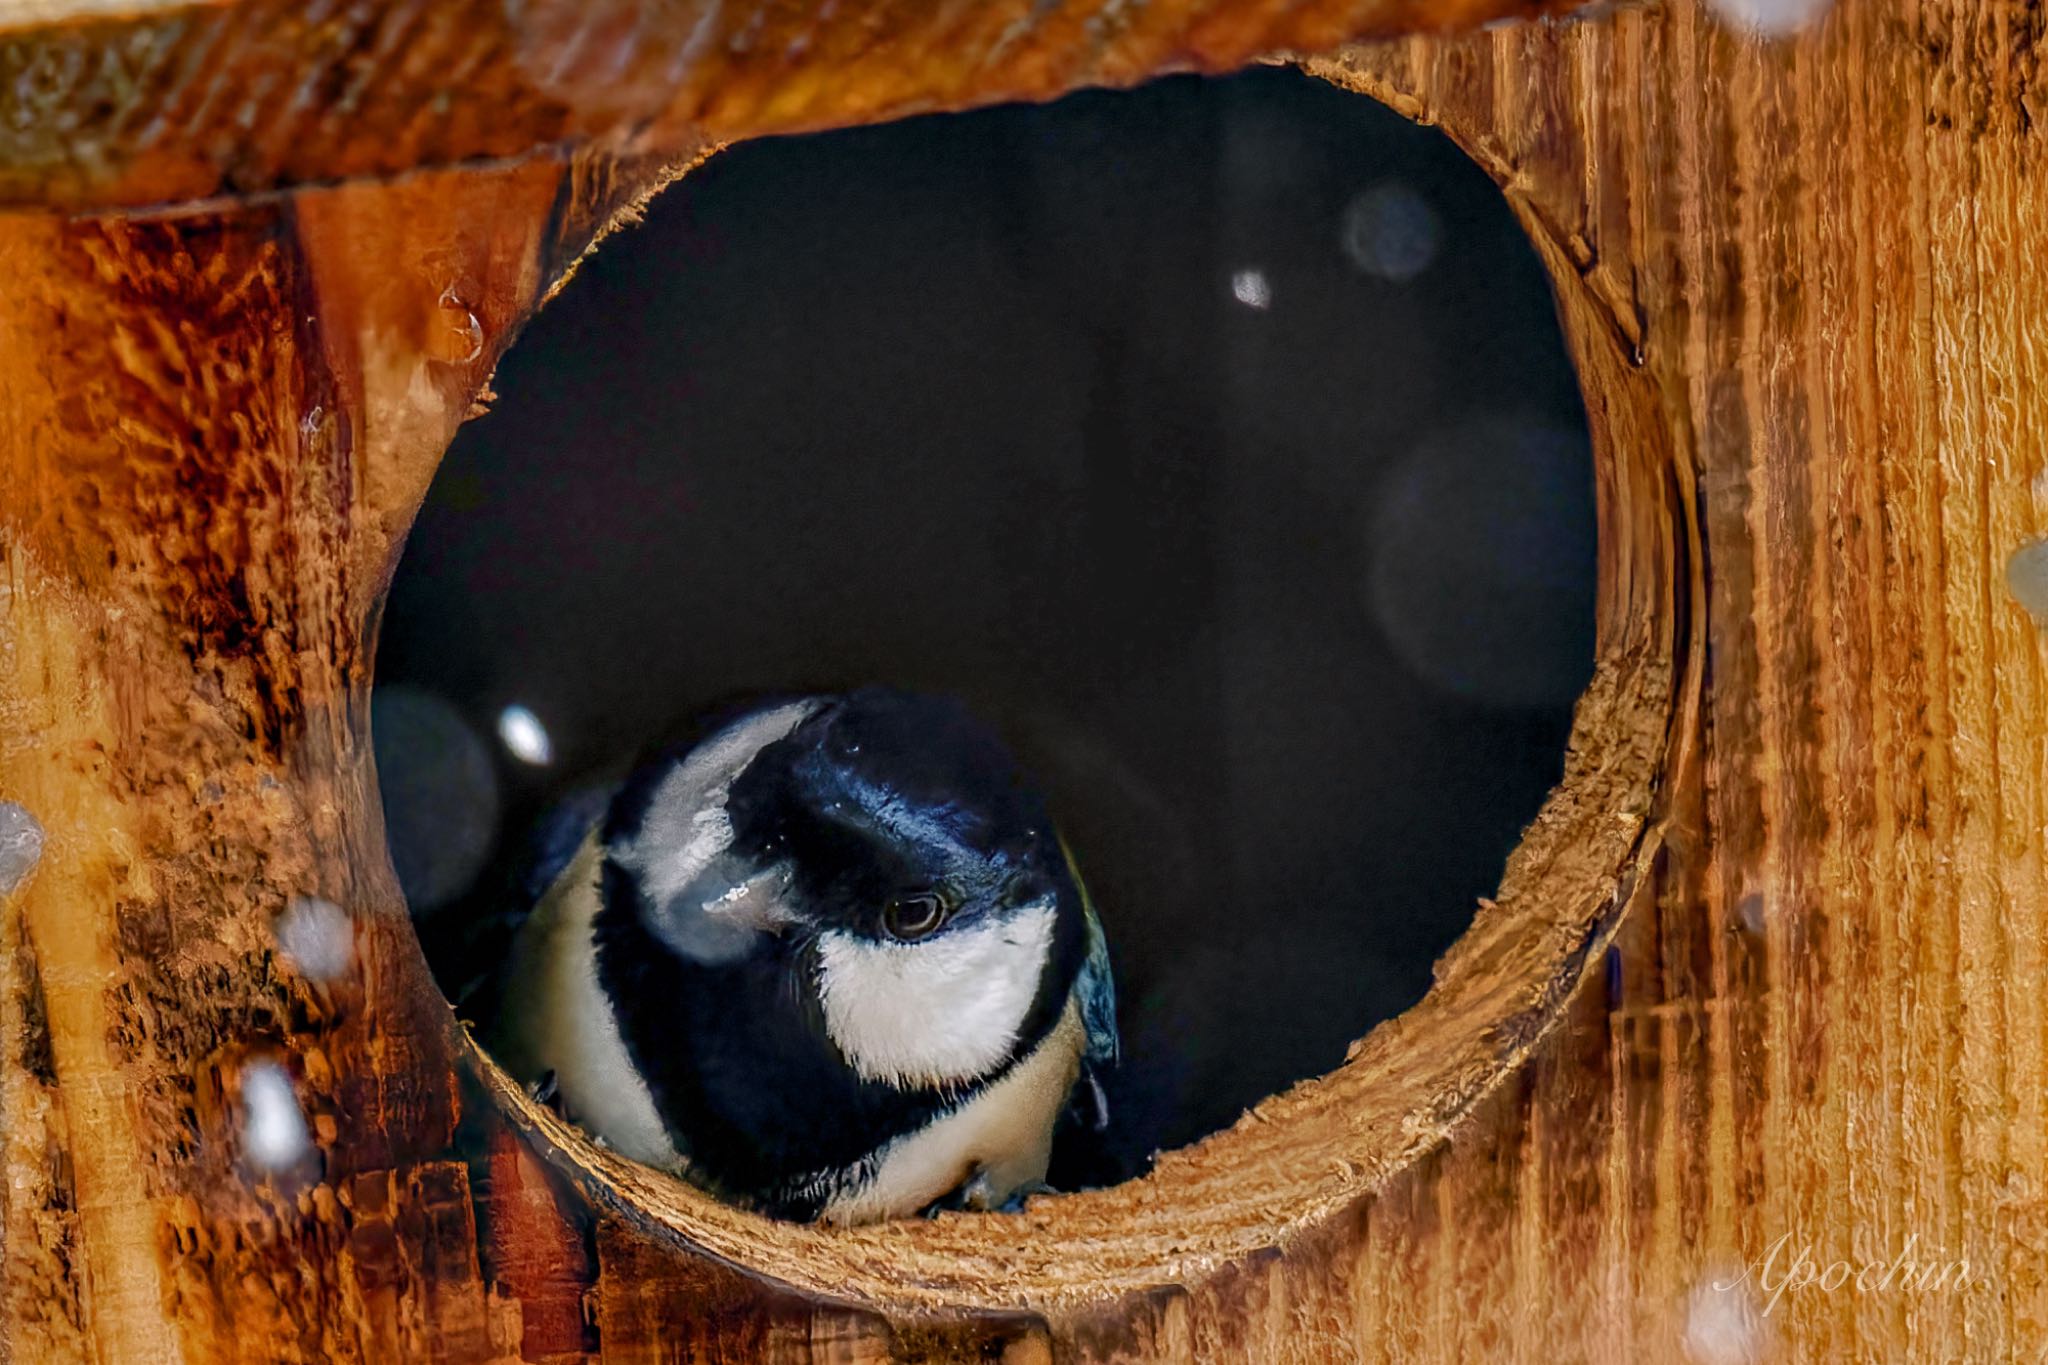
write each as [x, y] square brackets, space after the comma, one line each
[1768, 965]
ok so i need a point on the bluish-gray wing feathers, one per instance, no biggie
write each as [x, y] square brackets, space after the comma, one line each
[1098, 997]
[1096, 986]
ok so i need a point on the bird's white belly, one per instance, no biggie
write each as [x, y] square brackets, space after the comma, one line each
[1003, 1136]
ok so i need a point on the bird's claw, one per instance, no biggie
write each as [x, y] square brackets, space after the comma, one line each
[542, 1089]
[978, 1194]
[953, 1201]
[1023, 1194]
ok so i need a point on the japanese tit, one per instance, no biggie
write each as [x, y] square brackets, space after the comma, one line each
[832, 961]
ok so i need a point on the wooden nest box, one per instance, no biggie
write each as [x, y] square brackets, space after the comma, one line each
[1764, 981]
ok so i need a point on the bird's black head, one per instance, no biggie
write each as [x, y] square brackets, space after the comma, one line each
[901, 817]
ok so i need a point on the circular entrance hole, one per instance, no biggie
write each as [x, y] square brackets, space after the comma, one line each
[1215, 441]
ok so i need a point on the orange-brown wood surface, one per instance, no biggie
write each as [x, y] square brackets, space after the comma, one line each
[1766, 973]
[136, 102]
[1824, 1032]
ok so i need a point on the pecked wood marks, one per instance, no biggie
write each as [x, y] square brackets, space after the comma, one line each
[185, 481]
[42, 1267]
[176, 546]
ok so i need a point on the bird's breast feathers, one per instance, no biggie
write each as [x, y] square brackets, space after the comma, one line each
[937, 1013]
[996, 1142]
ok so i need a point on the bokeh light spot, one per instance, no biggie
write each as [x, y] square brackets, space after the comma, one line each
[1252, 289]
[21, 846]
[1391, 231]
[274, 1133]
[317, 937]
[524, 737]
[440, 794]
[1483, 563]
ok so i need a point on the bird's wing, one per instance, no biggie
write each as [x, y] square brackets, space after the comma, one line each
[1098, 996]
[558, 834]
[1096, 986]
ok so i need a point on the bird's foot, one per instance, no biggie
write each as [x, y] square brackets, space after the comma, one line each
[1023, 1193]
[978, 1194]
[959, 1199]
[543, 1090]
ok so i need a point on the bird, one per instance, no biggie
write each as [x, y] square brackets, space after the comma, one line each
[831, 961]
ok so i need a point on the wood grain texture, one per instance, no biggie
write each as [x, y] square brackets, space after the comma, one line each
[142, 104]
[1826, 1025]
[1767, 966]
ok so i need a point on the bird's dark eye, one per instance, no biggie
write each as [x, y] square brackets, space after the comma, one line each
[914, 916]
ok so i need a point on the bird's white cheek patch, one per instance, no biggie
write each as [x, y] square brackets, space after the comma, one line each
[938, 1012]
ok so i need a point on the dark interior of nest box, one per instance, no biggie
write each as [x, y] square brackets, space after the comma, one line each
[1215, 440]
